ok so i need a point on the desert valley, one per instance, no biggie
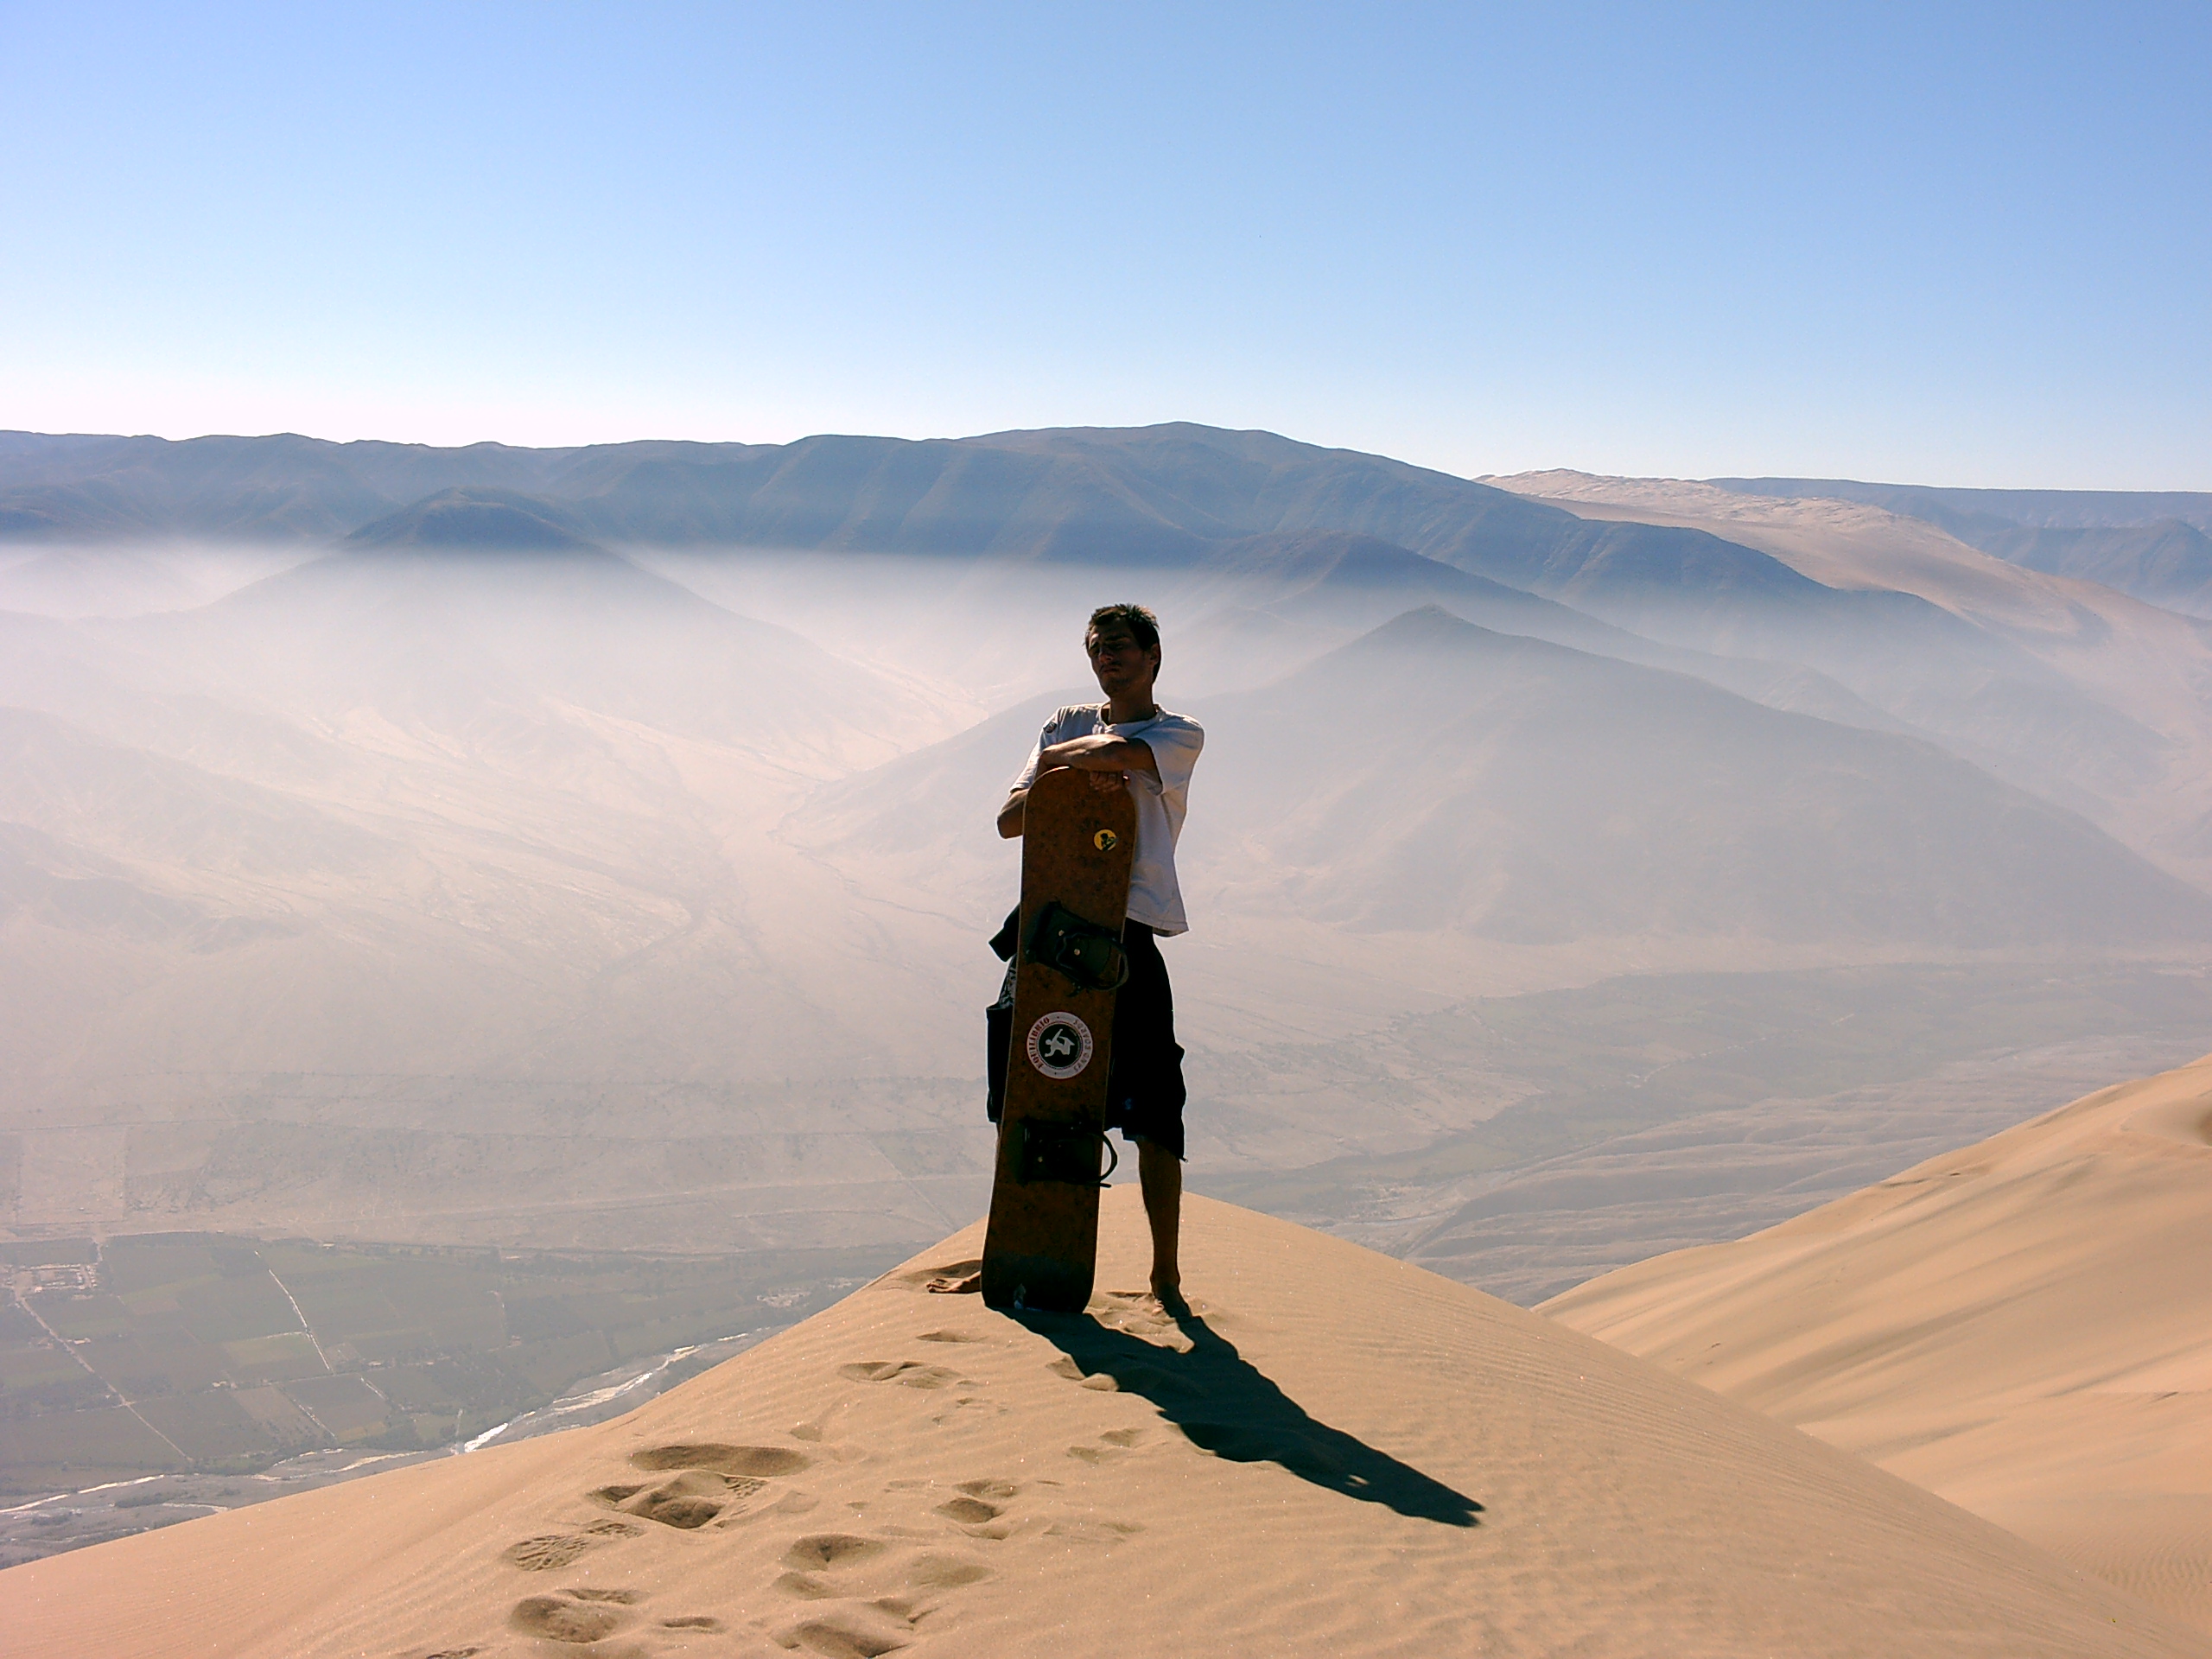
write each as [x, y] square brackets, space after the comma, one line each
[494, 943]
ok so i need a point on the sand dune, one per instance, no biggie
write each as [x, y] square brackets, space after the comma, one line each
[1338, 1454]
[1850, 544]
[2024, 1326]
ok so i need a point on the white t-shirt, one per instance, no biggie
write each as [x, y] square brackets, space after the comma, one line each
[1174, 741]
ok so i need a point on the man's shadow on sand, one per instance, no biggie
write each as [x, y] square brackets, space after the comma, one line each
[1227, 1406]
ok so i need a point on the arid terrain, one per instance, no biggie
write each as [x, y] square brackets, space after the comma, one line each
[1332, 1451]
[574, 867]
[2018, 1325]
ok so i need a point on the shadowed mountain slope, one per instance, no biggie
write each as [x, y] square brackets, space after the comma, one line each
[2167, 564]
[2019, 1325]
[1527, 793]
[1437, 776]
[1330, 1452]
[1165, 498]
[480, 519]
[283, 487]
[1149, 494]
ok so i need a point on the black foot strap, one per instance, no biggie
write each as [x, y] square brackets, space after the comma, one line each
[1045, 1151]
[1090, 955]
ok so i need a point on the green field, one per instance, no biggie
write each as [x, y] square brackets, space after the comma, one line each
[181, 1353]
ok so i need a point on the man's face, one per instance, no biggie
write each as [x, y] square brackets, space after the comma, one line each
[1123, 667]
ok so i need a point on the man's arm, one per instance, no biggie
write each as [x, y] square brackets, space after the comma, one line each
[1102, 752]
[1105, 758]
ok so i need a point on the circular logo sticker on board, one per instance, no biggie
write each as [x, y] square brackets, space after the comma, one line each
[1060, 1046]
[1105, 841]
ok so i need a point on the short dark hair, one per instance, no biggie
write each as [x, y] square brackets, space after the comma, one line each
[1142, 624]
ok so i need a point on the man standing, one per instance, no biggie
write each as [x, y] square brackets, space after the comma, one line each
[1129, 742]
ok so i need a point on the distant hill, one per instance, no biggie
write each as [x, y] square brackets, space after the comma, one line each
[279, 488]
[1963, 512]
[2169, 563]
[496, 520]
[1536, 793]
[2151, 544]
[1436, 776]
[1176, 497]
[1142, 494]
[1146, 495]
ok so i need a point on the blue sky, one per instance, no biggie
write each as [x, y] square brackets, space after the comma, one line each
[1954, 245]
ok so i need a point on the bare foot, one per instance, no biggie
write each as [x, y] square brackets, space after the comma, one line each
[947, 1286]
[1169, 1294]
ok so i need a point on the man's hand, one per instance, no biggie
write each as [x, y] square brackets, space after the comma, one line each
[1105, 759]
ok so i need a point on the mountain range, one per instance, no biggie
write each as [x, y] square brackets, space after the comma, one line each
[478, 845]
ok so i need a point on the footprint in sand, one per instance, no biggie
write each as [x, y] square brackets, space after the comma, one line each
[586, 1615]
[713, 1477]
[969, 1512]
[1094, 1532]
[841, 1639]
[845, 1634]
[1114, 1443]
[543, 1554]
[765, 1461]
[1097, 1381]
[979, 1501]
[687, 1503]
[1139, 1314]
[945, 1572]
[907, 1373]
[822, 1549]
[871, 1591]
[559, 1620]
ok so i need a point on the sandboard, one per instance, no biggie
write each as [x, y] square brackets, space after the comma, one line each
[1040, 1249]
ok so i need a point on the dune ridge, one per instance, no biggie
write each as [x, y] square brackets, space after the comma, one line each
[2024, 1326]
[1336, 1452]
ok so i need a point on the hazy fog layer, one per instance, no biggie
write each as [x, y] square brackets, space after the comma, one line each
[473, 880]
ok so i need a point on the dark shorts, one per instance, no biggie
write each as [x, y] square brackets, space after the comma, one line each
[1144, 1085]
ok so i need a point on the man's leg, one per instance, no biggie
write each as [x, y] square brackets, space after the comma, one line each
[1160, 1172]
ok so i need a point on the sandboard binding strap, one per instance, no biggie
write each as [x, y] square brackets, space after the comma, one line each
[1044, 1151]
[1090, 956]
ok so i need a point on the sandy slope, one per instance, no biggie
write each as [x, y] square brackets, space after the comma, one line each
[2024, 1326]
[1849, 545]
[1338, 1454]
